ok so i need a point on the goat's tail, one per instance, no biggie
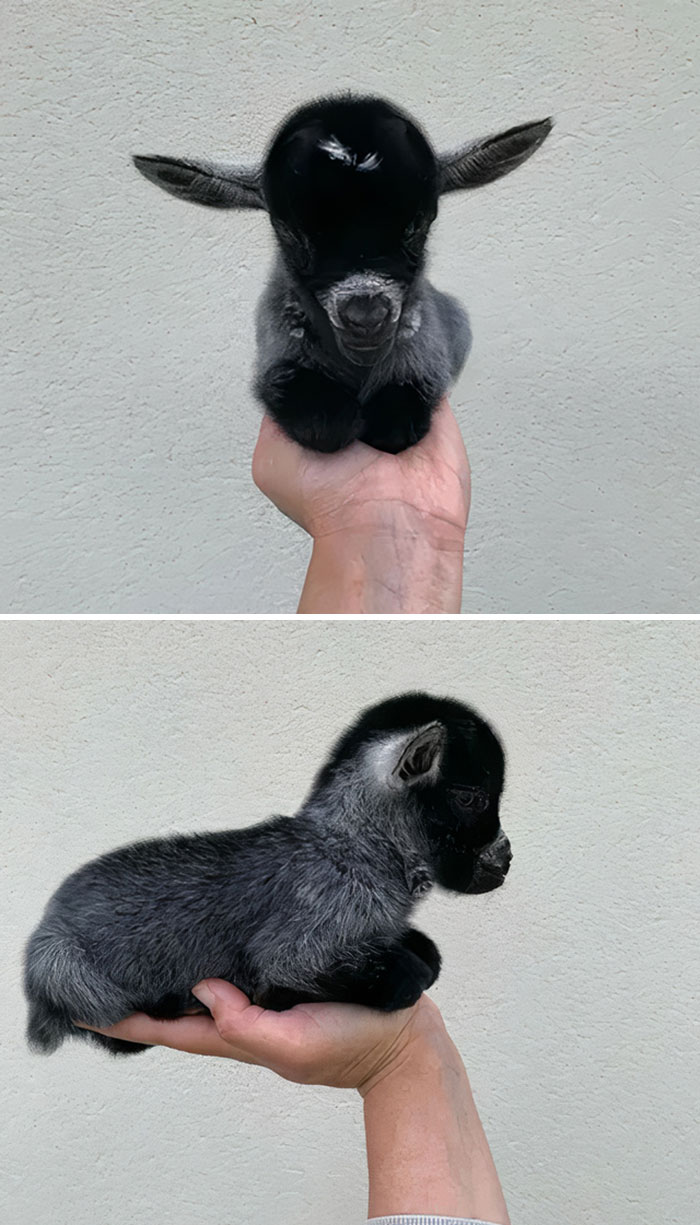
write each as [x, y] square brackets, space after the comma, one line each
[47, 1026]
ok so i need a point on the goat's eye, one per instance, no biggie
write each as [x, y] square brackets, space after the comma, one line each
[470, 799]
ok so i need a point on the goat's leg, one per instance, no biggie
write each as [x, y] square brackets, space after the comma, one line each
[391, 978]
[396, 417]
[311, 408]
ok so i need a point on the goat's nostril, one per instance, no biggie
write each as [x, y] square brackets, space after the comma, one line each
[364, 312]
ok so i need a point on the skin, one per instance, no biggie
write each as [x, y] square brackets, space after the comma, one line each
[426, 1149]
[388, 530]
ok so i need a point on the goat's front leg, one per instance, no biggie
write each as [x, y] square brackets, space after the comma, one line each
[389, 979]
[394, 978]
[396, 417]
[311, 408]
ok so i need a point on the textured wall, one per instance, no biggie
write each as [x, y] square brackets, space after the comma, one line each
[571, 993]
[129, 423]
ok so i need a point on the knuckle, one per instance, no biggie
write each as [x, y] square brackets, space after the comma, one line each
[227, 1029]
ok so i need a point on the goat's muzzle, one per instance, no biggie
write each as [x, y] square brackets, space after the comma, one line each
[366, 328]
[364, 310]
[492, 864]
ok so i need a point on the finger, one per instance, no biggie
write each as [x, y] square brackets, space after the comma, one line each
[274, 451]
[261, 1033]
[444, 442]
[444, 434]
[197, 1035]
[272, 435]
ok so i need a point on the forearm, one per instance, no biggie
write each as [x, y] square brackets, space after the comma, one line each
[397, 565]
[426, 1149]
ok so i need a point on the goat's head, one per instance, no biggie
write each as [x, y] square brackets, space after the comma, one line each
[352, 187]
[438, 762]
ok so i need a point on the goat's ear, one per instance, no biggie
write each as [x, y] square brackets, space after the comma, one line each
[482, 161]
[418, 756]
[212, 183]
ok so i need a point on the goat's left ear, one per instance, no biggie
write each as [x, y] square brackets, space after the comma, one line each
[213, 183]
[482, 161]
[419, 756]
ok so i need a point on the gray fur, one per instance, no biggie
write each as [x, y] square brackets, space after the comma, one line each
[275, 905]
[430, 348]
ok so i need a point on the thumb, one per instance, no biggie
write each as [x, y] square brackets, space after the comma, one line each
[225, 1001]
[239, 1022]
[282, 1041]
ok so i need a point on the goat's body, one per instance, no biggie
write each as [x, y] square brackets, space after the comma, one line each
[431, 348]
[276, 905]
[310, 907]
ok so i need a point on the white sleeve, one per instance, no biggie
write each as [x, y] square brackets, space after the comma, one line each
[425, 1220]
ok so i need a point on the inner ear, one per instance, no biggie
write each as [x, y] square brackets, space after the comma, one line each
[421, 757]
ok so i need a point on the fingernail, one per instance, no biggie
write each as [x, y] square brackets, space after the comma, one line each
[204, 994]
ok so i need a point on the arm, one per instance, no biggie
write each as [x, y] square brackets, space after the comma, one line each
[397, 566]
[388, 530]
[426, 1149]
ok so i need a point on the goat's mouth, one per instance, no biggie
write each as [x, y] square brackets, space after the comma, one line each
[364, 351]
[486, 881]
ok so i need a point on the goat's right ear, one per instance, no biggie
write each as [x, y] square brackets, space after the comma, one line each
[419, 756]
[212, 183]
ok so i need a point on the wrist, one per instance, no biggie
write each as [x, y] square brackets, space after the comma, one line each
[389, 557]
[426, 1149]
[393, 516]
[423, 1046]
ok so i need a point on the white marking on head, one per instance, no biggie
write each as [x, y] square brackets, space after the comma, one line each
[336, 151]
[371, 162]
[340, 153]
[383, 757]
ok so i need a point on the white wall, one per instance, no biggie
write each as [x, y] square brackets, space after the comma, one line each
[129, 423]
[571, 993]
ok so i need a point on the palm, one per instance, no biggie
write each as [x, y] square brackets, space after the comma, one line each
[340, 1045]
[326, 492]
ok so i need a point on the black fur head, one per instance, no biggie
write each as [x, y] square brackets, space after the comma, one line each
[352, 186]
[352, 189]
[451, 763]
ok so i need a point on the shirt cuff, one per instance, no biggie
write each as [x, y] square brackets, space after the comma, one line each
[425, 1220]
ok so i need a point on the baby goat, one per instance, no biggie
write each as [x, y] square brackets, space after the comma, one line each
[353, 340]
[311, 907]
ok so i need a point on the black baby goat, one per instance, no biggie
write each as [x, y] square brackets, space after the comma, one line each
[353, 340]
[311, 907]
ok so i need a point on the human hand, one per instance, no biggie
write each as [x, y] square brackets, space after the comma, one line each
[346, 1046]
[388, 530]
[359, 486]
[426, 1149]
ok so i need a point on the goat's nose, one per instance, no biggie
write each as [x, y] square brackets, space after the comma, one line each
[364, 312]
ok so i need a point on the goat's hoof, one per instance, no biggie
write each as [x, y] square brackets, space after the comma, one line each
[396, 417]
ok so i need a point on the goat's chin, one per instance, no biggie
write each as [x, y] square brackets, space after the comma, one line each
[364, 356]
